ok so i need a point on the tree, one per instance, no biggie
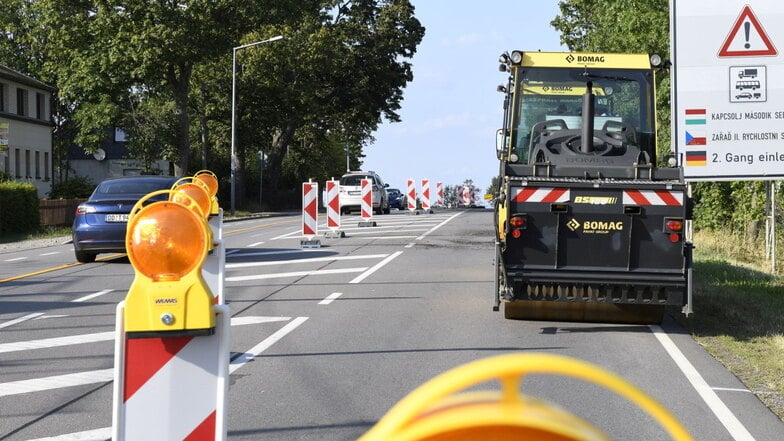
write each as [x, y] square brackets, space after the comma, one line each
[339, 71]
[104, 52]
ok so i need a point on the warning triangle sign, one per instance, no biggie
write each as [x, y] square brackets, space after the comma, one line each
[747, 38]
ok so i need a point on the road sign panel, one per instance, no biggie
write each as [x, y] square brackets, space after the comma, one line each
[727, 117]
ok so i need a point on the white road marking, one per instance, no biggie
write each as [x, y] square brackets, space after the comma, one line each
[253, 352]
[104, 434]
[330, 298]
[722, 412]
[92, 296]
[55, 382]
[295, 274]
[288, 235]
[439, 225]
[375, 267]
[50, 254]
[731, 389]
[254, 244]
[266, 253]
[15, 259]
[55, 342]
[308, 260]
[20, 319]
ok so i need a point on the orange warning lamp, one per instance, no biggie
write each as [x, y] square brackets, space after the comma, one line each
[167, 243]
[196, 190]
[209, 178]
[441, 410]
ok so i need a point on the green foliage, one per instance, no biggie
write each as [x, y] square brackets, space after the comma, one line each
[18, 208]
[162, 72]
[74, 187]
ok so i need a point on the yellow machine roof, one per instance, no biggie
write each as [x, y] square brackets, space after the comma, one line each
[574, 59]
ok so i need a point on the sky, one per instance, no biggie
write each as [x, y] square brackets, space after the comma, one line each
[451, 110]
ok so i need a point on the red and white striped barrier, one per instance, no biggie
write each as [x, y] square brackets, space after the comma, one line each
[541, 194]
[333, 205]
[411, 195]
[366, 206]
[309, 209]
[652, 197]
[439, 194]
[426, 194]
[171, 388]
[465, 196]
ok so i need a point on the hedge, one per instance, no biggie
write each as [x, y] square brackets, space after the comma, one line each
[18, 208]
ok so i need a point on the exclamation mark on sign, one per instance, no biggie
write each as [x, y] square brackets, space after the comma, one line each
[746, 28]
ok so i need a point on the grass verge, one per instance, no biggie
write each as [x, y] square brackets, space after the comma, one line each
[739, 314]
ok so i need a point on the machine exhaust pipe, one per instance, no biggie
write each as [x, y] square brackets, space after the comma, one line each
[586, 144]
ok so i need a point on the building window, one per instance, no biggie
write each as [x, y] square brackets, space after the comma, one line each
[27, 165]
[37, 165]
[46, 166]
[21, 102]
[2, 97]
[7, 164]
[17, 164]
[40, 106]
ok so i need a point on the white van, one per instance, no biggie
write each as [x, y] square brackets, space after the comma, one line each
[351, 192]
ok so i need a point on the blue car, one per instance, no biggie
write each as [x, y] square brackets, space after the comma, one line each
[396, 198]
[100, 223]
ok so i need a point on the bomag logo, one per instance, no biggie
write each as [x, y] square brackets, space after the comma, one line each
[595, 200]
[585, 59]
[594, 227]
[166, 300]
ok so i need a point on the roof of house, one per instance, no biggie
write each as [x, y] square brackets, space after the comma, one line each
[8, 73]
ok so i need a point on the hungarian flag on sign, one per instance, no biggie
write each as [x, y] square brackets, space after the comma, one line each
[695, 127]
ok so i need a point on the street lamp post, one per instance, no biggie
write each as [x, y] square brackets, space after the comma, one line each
[234, 113]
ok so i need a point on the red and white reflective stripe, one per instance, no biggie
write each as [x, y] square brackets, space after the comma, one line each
[439, 194]
[425, 194]
[652, 197]
[541, 194]
[309, 214]
[465, 194]
[171, 387]
[367, 199]
[333, 204]
[411, 195]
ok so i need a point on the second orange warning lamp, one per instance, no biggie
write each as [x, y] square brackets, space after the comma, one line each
[167, 241]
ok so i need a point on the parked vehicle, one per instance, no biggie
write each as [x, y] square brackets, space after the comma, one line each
[100, 222]
[351, 192]
[396, 198]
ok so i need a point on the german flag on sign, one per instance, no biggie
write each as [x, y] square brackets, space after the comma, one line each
[696, 158]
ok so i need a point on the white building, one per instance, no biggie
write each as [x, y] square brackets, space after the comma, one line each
[26, 130]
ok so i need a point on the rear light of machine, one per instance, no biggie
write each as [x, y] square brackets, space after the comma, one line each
[674, 228]
[517, 223]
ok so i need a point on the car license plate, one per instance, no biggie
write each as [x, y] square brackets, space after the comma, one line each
[116, 218]
[354, 193]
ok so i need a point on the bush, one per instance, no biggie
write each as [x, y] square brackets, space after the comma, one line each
[18, 208]
[77, 187]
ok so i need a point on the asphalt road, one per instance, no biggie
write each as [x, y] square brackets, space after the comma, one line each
[325, 340]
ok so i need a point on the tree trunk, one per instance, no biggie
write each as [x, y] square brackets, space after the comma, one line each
[181, 86]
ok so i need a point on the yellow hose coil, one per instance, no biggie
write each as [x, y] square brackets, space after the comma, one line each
[437, 412]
